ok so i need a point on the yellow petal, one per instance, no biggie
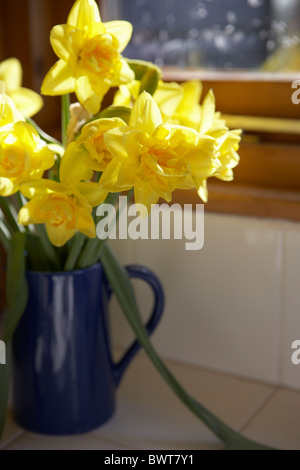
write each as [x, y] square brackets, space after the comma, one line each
[86, 95]
[85, 15]
[168, 97]
[109, 178]
[145, 115]
[202, 189]
[92, 193]
[114, 142]
[58, 236]
[7, 187]
[58, 80]
[122, 30]
[39, 188]
[123, 73]
[27, 101]
[59, 40]
[11, 74]
[72, 168]
[207, 114]
[191, 96]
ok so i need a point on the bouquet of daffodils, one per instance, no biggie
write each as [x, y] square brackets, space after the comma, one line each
[154, 138]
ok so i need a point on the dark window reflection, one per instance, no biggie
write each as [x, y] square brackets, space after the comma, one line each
[222, 34]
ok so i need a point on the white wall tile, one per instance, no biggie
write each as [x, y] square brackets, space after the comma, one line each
[290, 374]
[222, 302]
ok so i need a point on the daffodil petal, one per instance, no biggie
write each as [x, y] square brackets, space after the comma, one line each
[92, 193]
[86, 13]
[58, 80]
[59, 236]
[7, 187]
[123, 73]
[27, 101]
[72, 169]
[145, 115]
[11, 74]
[86, 95]
[122, 30]
[208, 112]
[168, 97]
[59, 40]
[114, 142]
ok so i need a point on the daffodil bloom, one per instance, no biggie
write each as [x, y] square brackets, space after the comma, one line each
[23, 156]
[91, 145]
[227, 141]
[64, 210]
[64, 207]
[89, 52]
[9, 113]
[27, 101]
[154, 157]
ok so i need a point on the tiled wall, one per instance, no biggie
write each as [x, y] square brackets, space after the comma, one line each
[233, 306]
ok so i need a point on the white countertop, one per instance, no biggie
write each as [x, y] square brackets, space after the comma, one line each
[150, 417]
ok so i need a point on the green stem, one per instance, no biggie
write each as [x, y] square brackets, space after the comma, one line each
[65, 117]
[48, 247]
[76, 248]
[92, 248]
[10, 214]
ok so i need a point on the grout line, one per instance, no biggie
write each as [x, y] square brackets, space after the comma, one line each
[17, 436]
[260, 408]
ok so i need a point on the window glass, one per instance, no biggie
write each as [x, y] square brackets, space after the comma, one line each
[218, 34]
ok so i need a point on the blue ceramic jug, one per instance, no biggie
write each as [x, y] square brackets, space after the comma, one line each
[64, 375]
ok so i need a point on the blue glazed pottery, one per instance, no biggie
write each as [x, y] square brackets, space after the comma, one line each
[64, 375]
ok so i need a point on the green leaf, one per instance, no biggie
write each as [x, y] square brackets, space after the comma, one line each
[147, 73]
[5, 373]
[49, 249]
[76, 244]
[10, 214]
[36, 256]
[16, 285]
[121, 285]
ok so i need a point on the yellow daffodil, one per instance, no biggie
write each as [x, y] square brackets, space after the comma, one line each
[89, 52]
[63, 210]
[23, 156]
[227, 141]
[154, 157]
[27, 101]
[9, 114]
[91, 144]
[64, 207]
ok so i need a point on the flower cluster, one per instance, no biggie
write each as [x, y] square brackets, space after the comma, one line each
[155, 138]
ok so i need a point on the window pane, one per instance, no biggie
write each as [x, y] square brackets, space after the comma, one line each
[219, 34]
